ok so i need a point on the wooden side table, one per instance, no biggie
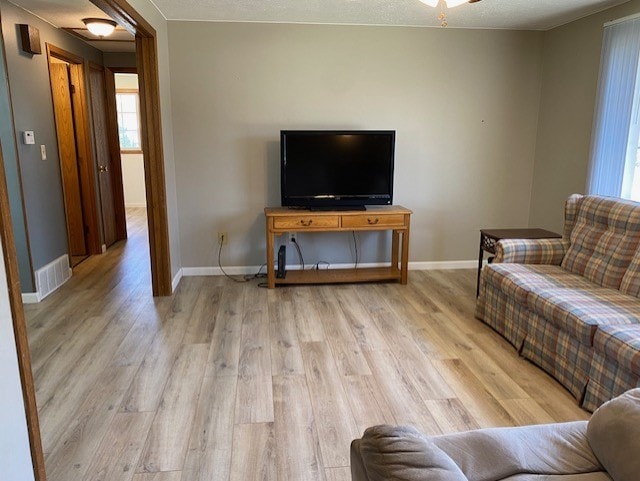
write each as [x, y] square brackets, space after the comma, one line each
[489, 238]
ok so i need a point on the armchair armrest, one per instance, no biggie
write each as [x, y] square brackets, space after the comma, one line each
[400, 453]
[531, 251]
[551, 450]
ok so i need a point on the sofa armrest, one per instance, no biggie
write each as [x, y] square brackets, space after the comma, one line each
[400, 453]
[531, 251]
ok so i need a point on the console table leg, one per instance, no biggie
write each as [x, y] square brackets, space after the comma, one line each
[405, 256]
[271, 273]
[395, 247]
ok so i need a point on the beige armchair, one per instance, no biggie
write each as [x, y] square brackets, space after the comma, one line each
[605, 448]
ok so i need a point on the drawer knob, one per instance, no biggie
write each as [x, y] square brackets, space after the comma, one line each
[306, 223]
[373, 221]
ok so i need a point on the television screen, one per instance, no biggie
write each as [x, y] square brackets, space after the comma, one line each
[336, 168]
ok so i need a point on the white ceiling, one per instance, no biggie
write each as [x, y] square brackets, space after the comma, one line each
[68, 14]
[502, 14]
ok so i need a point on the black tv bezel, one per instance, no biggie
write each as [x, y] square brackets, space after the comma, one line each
[353, 201]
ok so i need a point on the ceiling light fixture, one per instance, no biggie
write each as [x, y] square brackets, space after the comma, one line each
[100, 27]
[444, 5]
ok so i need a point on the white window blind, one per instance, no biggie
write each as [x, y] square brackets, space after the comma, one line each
[615, 133]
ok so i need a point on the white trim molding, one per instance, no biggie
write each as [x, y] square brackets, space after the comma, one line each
[442, 265]
[249, 270]
[30, 298]
[623, 19]
[176, 280]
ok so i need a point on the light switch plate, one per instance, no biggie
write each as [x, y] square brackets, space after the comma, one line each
[28, 137]
[43, 152]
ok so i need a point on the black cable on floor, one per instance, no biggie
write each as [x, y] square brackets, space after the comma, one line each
[221, 268]
[355, 244]
[257, 275]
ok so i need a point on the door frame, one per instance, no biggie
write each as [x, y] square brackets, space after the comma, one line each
[147, 66]
[83, 145]
[151, 126]
[20, 329]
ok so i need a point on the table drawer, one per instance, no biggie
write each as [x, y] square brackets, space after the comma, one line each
[373, 220]
[306, 222]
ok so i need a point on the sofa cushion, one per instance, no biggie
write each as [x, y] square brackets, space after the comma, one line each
[579, 311]
[620, 344]
[631, 280]
[518, 280]
[604, 240]
[614, 436]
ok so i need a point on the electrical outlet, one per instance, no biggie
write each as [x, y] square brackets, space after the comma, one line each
[222, 238]
[293, 237]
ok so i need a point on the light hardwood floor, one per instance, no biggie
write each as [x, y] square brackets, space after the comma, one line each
[230, 381]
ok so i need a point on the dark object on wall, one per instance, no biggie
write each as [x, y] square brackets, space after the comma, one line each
[30, 37]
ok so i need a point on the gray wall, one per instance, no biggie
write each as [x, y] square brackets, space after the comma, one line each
[464, 104]
[569, 86]
[14, 186]
[33, 110]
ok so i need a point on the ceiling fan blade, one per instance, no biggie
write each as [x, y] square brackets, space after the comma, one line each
[474, 1]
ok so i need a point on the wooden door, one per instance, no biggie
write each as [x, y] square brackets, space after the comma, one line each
[103, 153]
[116, 157]
[63, 110]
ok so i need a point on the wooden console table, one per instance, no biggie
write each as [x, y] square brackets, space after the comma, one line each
[393, 218]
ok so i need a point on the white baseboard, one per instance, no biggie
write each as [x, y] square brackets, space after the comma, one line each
[216, 271]
[176, 280]
[30, 298]
[135, 204]
[48, 279]
[247, 270]
[442, 265]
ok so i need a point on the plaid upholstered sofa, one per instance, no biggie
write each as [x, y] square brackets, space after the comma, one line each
[572, 305]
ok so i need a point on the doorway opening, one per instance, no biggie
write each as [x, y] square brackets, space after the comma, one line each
[152, 145]
[127, 101]
[127, 95]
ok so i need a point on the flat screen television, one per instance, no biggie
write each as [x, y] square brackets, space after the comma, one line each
[336, 169]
